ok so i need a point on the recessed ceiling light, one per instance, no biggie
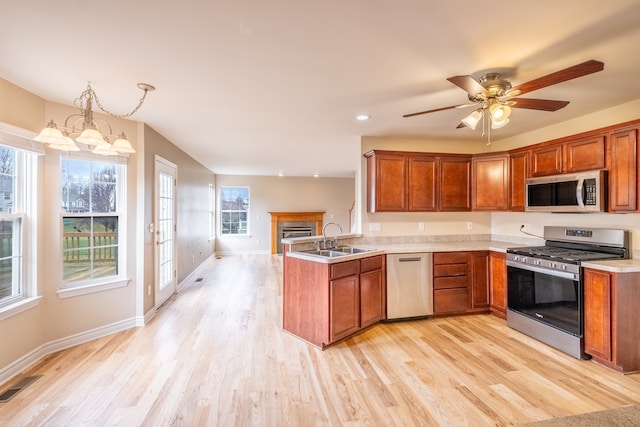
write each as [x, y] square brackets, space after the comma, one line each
[316, 175]
[280, 173]
[363, 117]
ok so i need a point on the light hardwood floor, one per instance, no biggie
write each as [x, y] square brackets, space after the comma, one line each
[216, 355]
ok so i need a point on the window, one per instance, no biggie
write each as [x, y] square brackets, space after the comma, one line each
[14, 180]
[234, 211]
[92, 207]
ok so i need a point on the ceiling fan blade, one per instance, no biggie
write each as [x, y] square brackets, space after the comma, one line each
[468, 84]
[431, 111]
[539, 104]
[588, 67]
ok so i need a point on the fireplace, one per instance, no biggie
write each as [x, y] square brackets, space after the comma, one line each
[286, 225]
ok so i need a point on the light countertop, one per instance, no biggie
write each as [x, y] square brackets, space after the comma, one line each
[615, 265]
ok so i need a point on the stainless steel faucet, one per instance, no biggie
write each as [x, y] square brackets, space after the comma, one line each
[324, 235]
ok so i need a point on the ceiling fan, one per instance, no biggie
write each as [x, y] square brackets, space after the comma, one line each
[494, 96]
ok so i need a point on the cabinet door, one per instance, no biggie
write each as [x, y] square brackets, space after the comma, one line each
[584, 154]
[371, 297]
[454, 176]
[387, 183]
[344, 307]
[518, 173]
[422, 183]
[479, 273]
[491, 183]
[623, 171]
[498, 283]
[546, 160]
[597, 314]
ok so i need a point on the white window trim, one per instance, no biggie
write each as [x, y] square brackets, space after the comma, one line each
[89, 288]
[219, 211]
[19, 306]
[73, 289]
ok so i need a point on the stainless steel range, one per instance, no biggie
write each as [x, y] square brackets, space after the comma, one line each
[545, 284]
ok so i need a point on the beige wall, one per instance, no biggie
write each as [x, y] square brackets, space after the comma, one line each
[192, 192]
[334, 196]
[21, 108]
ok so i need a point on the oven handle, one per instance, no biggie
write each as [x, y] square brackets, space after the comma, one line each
[579, 191]
[527, 267]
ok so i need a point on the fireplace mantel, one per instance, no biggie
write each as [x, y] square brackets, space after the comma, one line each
[277, 217]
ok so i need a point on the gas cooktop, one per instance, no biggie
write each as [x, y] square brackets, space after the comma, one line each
[560, 254]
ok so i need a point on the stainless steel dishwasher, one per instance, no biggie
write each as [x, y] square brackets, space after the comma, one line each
[409, 285]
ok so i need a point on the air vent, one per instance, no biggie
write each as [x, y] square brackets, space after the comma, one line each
[9, 394]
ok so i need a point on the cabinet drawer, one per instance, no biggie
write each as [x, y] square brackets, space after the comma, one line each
[449, 270]
[343, 269]
[372, 263]
[450, 300]
[450, 258]
[450, 282]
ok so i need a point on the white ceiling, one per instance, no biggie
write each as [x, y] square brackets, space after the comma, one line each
[256, 87]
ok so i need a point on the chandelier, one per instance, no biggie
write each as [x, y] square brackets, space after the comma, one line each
[86, 129]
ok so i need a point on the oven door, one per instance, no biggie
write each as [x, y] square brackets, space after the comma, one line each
[550, 297]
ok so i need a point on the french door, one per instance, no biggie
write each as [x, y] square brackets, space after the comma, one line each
[165, 230]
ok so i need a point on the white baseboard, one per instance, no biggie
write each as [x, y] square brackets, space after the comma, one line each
[194, 274]
[46, 349]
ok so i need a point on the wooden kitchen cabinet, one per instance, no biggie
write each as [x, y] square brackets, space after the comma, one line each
[490, 182]
[460, 282]
[518, 173]
[624, 178]
[584, 154]
[546, 160]
[400, 181]
[324, 303]
[454, 183]
[611, 322]
[498, 283]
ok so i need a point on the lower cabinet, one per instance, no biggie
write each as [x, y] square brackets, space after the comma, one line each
[324, 303]
[460, 282]
[498, 281]
[611, 321]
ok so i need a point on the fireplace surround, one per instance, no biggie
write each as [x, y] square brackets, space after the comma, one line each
[280, 220]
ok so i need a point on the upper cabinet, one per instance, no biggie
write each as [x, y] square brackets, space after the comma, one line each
[417, 182]
[400, 181]
[518, 173]
[568, 155]
[454, 179]
[490, 182]
[624, 178]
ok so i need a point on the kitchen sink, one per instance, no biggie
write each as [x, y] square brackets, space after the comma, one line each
[330, 253]
[352, 250]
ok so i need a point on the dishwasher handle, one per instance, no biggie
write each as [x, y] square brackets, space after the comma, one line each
[411, 259]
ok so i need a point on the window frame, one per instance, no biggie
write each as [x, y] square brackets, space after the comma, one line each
[24, 209]
[95, 284]
[222, 211]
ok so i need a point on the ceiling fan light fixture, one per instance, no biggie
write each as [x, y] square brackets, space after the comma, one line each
[499, 112]
[498, 124]
[472, 120]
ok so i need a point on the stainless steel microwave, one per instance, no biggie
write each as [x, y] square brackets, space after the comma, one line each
[576, 192]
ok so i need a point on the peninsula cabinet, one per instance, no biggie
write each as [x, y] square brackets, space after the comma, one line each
[624, 178]
[460, 282]
[490, 182]
[324, 303]
[611, 321]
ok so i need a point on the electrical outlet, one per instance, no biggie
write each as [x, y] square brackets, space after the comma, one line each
[469, 225]
[149, 290]
[421, 226]
[374, 226]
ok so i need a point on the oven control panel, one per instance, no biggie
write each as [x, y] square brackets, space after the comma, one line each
[524, 261]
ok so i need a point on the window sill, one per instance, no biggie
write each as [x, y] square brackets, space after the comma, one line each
[18, 307]
[89, 289]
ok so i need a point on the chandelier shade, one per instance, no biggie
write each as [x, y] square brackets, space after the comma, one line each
[90, 131]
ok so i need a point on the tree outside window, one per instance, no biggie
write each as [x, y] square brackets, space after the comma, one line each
[234, 211]
[91, 213]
